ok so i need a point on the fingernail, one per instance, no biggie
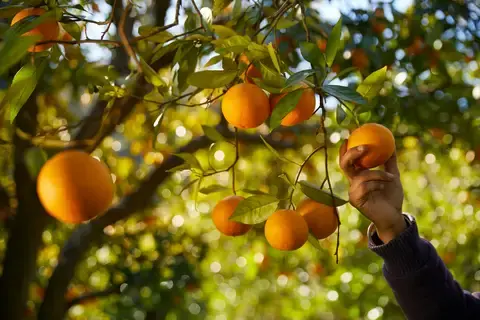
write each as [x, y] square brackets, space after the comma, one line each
[361, 148]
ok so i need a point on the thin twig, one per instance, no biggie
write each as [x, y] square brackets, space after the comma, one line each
[300, 171]
[124, 39]
[110, 19]
[199, 15]
[73, 42]
[237, 156]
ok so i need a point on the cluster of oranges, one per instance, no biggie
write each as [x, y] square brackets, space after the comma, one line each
[48, 30]
[285, 229]
[247, 106]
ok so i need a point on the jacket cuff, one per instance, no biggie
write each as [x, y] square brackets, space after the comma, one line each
[405, 254]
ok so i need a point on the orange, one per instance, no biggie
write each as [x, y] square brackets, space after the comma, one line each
[322, 44]
[285, 44]
[303, 110]
[74, 187]
[48, 29]
[286, 230]
[320, 218]
[245, 105]
[223, 211]
[360, 58]
[379, 141]
[252, 71]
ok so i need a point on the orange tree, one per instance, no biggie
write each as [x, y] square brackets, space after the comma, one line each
[164, 105]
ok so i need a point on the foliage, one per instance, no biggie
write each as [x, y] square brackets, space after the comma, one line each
[145, 98]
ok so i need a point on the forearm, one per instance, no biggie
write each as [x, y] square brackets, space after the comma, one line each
[423, 286]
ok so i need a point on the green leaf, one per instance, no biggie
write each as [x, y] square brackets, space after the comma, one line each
[212, 133]
[73, 29]
[312, 54]
[315, 193]
[35, 158]
[255, 209]
[273, 56]
[285, 23]
[183, 50]
[219, 5]
[229, 64]
[187, 67]
[286, 104]
[213, 188]
[162, 50]
[154, 34]
[371, 86]
[9, 11]
[223, 31]
[259, 82]
[150, 74]
[23, 85]
[314, 241]
[257, 51]
[255, 192]
[13, 51]
[344, 93]
[271, 77]
[299, 77]
[333, 42]
[345, 72]
[211, 78]
[235, 44]
[181, 167]
[213, 61]
[340, 114]
[189, 159]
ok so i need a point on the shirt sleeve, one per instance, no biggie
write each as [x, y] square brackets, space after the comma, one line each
[423, 286]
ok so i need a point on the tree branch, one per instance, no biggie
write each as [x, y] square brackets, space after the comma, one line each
[115, 289]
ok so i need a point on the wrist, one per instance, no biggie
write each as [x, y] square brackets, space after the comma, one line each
[390, 231]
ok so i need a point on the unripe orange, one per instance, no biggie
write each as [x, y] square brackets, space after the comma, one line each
[286, 230]
[379, 141]
[74, 187]
[321, 219]
[303, 110]
[245, 105]
[48, 29]
[221, 214]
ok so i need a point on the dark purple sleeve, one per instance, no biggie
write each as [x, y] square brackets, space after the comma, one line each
[422, 284]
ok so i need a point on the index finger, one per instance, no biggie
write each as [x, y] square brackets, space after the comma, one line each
[391, 165]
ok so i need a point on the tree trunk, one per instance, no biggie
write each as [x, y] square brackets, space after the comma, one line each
[25, 236]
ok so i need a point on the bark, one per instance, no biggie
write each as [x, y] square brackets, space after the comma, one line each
[25, 236]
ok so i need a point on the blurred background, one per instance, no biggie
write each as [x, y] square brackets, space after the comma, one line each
[164, 259]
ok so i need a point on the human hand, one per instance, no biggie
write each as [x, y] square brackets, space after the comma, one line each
[377, 194]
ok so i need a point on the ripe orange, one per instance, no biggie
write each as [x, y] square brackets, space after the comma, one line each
[286, 230]
[48, 29]
[303, 110]
[320, 218]
[245, 105]
[252, 71]
[360, 58]
[379, 141]
[74, 187]
[222, 212]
